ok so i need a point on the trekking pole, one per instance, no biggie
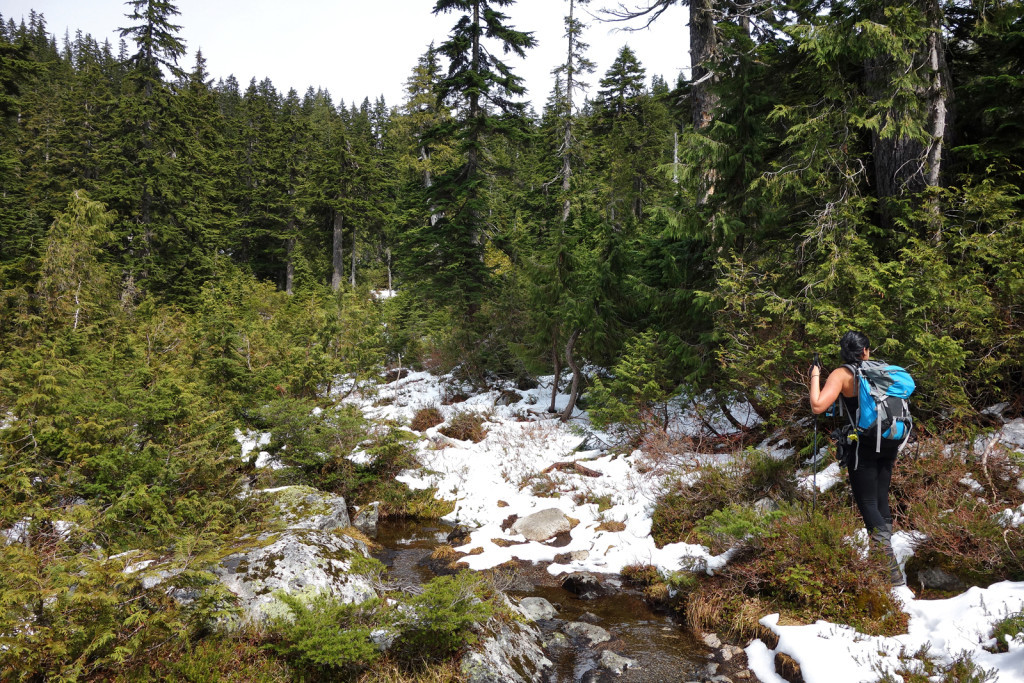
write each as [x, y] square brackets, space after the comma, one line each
[814, 455]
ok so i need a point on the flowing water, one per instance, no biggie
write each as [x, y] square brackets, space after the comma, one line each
[663, 651]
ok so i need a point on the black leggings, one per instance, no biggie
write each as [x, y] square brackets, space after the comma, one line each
[870, 484]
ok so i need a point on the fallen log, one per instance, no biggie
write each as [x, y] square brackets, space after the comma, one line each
[573, 465]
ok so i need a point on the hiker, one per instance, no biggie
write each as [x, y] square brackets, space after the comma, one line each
[870, 471]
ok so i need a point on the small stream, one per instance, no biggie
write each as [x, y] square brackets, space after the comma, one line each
[663, 651]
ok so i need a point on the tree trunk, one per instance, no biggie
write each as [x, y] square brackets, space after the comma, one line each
[703, 49]
[940, 92]
[675, 157]
[574, 392]
[905, 166]
[556, 357]
[338, 253]
[387, 253]
[289, 271]
[352, 251]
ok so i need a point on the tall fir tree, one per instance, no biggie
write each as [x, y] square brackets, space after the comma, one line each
[481, 89]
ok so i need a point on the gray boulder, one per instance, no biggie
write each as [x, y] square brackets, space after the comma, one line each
[939, 579]
[304, 507]
[366, 518]
[540, 526]
[537, 608]
[298, 561]
[508, 653]
[615, 663]
[588, 633]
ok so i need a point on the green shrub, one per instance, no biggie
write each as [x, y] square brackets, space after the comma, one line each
[749, 477]
[325, 637]
[633, 399]
[465, 426]
[736, 523]
[313, 444]
[1008, 628]
[220, 657]
[440, 620]
[425, 418]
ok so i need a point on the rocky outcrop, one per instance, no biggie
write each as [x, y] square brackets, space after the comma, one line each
[366, 518]
[309, 556]
[304, 507]
[297, 561]
[510, 652]
[540, 526]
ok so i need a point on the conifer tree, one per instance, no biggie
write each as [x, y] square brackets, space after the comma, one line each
[482, 89]
[557, 261]
[162, 218]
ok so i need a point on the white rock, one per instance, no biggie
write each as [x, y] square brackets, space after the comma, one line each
[540, 526]
[304, 507]
[508, 649]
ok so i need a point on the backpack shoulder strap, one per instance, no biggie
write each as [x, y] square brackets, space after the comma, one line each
[856, 376]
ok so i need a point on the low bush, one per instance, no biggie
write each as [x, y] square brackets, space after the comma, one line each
[1009, 628]
[465, 426]
[922, 667]
[807, 569]
[313, 444]
[709, 487]
[231, 658]
[440, 620]
[735, 524]
[323, 637]
[956, 501]
[425, 418]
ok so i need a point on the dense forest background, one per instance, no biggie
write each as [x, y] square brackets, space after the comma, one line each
[184, 255]
[830, 165]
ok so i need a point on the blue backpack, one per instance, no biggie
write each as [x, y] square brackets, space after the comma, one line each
[883, 411]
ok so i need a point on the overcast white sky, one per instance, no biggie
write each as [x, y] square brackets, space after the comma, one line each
[363, 48]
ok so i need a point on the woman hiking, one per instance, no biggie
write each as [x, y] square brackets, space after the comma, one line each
[870, 472]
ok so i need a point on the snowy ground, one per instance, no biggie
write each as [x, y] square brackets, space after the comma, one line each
[498, 477]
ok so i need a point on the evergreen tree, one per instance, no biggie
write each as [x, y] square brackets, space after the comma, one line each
[163, 214]
[482, 88]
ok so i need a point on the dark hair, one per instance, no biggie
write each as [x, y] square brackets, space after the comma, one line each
[852, 345]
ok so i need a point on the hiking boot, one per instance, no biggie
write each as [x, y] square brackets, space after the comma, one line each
[883, 539]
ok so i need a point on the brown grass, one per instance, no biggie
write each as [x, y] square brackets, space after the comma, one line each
[465, 426]
[444, 552]
[353, 532]
[962, 535]
[611, 525]
[425, 418]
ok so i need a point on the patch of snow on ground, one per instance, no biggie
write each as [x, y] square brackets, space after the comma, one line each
[508, 467]
[829, 653]
[1012, 517]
